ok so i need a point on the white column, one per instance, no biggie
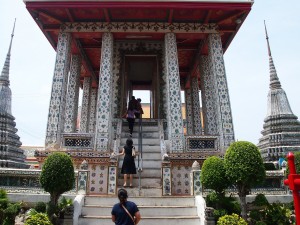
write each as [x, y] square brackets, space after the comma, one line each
[224, 117]
[208, 98]
[189, 112]
[104, 117]
[175, 122]
[93, 105]
[56, 116]
[85, 106]
[196, 106]
[72, 95]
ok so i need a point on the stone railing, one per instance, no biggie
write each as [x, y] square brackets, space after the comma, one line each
[27, 181]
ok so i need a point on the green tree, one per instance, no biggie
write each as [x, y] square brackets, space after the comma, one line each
[57, 175]
[244, 168]
[213, 175]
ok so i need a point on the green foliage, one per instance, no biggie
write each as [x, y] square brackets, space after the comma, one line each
[219, 213]
[64, 206]
[233, 219]
[40, 207]
[260, 200]
[10, 213]
[57, 175]
[3, 194]
[212, 199]
[297, 163]
[213, 174]
[255, 215]
[260, 223]
[269, 166]
[243, 164]
[277, 213]
[38, 219]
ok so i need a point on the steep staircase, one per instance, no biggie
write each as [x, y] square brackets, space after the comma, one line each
[150, 154]
[154, 208]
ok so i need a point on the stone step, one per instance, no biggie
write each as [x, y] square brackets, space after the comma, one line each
[146, 182]
[147, 172]
[147, 163]
[146, 141]
[125, 128]
[145, 134]
[142, 201]
[172, 220]
[146, 211]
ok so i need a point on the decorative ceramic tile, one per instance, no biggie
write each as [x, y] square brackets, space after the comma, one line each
[56, 116]
[82, 182]
[181, 180]
[93, 105]
[175, 121]
[196, 106]
[145, 27]
[112, 180]
[197, 183]
[85, 106]
[104, 117]
[72, 95]
[189, 112]
[166, 180]
[223, 102]
[98, 179]
[208, 98]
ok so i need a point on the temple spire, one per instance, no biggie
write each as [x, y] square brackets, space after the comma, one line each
[274, 80]
[4, 78]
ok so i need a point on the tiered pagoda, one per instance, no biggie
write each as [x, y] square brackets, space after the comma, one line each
[112, 48]
[11, 155]
[281, 129]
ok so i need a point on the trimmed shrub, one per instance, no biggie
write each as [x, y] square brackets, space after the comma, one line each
[260, 200]
[40, 207]
[233, 219]
[38, 219]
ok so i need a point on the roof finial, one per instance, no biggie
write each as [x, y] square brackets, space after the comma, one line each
[267, 37]
[12, 35]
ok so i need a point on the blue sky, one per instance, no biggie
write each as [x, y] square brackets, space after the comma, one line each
[246, 60]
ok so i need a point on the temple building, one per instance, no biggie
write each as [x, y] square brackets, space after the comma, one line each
[281, 129]
[110, 49]
[11, 155]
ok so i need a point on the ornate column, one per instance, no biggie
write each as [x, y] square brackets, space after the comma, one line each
[93, 105]
[104, 117]
[85, 106]
[196, 106]
[72, 95]
[223, 109]
[189, 112]
[208, 98]
[56, 116]
[175, 123]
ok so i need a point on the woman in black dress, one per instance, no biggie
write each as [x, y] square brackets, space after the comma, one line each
[128, 166]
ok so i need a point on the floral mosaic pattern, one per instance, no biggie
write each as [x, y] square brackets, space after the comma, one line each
[98, 179]
[139, 27]
[181, 180]
[166, 180]
[197, 188]
[56, 114]
[104, 117]
[175, 122]
[93, 105]
[189, 111]
[82, 182]
[72, 95]
[208, 98]
[196, 106]
[85, 106]
[112, 180]
[223, 101]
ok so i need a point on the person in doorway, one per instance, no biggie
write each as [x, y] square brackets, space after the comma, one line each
[138, 110]
[125, 212]
[128, 166]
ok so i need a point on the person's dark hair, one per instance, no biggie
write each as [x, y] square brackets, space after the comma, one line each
[122, 195]
[139, 99]
[129, 142]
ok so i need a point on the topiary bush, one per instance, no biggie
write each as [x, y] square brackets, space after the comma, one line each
[57, 175]
[38, 219]
[260, 200]
[244, 168]
[233, 219]
[213, 175]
